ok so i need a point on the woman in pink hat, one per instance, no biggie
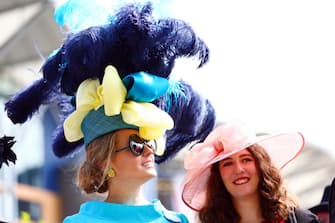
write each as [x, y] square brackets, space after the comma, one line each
[234, 176]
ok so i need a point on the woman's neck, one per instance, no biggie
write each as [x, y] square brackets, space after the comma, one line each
[126, 194]
[249, 209]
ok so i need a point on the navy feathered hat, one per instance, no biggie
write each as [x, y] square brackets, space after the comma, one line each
[131, 42]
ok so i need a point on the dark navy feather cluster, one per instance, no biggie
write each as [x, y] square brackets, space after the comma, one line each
[133, 41]
[6, 154]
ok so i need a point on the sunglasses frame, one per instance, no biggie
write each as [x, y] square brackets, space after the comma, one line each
[143, 142]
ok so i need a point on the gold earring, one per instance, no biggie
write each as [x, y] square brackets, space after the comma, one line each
[111, 172]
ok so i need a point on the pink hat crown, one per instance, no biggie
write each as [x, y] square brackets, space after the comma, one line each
[224, 139]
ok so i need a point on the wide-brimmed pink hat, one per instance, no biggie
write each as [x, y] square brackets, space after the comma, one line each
[225, 141]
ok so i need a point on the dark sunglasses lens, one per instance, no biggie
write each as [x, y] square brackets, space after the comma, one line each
[136, 144]
[136, 148]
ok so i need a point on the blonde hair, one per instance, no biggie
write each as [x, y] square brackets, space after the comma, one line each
[92, 173]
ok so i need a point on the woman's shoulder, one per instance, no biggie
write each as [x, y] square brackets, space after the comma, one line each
[108, 212]
[305, 216]
[172, 216]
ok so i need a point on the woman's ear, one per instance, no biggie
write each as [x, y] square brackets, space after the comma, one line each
[103, 165]
[106, 165]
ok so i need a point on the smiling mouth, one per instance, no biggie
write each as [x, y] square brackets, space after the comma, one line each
[149, 163]
[241, 181]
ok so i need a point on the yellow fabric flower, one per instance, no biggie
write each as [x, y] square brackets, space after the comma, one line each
[152, 121]
[88, 97]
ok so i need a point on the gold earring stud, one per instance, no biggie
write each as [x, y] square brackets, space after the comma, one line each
[111, 172]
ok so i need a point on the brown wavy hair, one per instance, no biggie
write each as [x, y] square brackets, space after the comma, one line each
[92, 173]
[275, 202]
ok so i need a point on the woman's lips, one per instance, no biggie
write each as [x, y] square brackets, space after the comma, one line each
[148, 163]
[241, 181]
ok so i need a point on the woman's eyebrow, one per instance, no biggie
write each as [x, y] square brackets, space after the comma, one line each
[225, 159]
[245, 155]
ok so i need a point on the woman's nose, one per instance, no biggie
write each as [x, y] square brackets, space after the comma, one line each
[147, 150]
[239, 167]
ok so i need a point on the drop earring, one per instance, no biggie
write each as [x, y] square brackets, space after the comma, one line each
[111, 172]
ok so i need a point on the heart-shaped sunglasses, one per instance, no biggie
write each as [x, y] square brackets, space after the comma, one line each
[136, 145]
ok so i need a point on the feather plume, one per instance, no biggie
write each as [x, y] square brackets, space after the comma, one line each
[131, 40]
[25, 103]
[6, 154]
[194, 118]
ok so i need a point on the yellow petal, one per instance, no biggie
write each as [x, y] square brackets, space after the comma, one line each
[87, 97]
[114, 92]
[160, 145]
[149, 133]
[152, 121]
[145, 114]
[72, 125]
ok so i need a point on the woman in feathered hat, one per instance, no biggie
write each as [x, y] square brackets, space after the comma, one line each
[125, 109]
[234, 176]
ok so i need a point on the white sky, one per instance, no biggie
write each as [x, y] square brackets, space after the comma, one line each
[272, 63]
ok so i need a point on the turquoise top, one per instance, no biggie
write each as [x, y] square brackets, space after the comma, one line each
[103, 212]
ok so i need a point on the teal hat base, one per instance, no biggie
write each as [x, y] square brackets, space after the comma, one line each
[96, 124]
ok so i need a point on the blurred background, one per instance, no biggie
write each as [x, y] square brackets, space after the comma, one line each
[272, 65]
